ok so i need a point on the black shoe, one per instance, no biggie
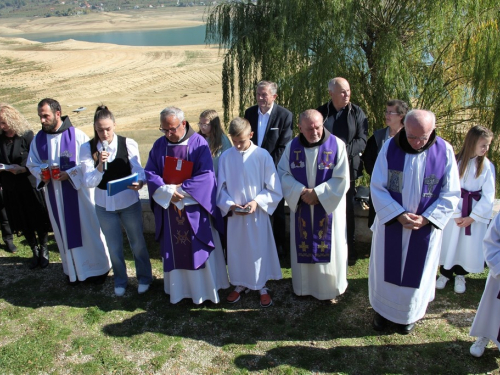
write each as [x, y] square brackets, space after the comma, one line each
[405, 329]
[98, 280]
[72, 283]
[351, 260]
[43, 258]
[379, 322]
[34, 260]
[11, 248]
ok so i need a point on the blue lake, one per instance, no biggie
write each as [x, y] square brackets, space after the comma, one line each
[169, 37]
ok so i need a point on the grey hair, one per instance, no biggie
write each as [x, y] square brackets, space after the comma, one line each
[273, 87]
[333, 82]
[309, 114]
[416, 113]
[172, 111]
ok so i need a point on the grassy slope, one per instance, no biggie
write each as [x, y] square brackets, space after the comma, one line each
[47, 326]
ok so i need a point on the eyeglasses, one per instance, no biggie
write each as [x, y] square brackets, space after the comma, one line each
[203, 125]
[171, 130]
[422, 139]
[391, 113]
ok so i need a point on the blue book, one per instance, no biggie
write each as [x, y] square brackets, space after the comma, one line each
[117, 186]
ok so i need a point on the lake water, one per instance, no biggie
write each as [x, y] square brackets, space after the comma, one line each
[169, 37]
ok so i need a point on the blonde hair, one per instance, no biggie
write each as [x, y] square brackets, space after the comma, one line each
[239, 126]
[468, 150]
[14, 119]
[215, 136]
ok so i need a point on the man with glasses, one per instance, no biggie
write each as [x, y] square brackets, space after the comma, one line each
[193, 262]
[415, 189]
[348, 122]
[272, 129]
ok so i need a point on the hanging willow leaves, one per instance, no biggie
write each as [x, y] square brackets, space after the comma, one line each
[438, 55]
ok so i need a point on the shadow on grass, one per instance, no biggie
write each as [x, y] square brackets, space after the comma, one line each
[431, 358]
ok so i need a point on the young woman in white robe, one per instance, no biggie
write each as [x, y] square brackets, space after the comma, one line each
[460, 251]
[486, 324]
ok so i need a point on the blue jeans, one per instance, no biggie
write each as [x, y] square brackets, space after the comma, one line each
[131, 219]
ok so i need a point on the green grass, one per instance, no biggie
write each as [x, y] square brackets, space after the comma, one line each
[47, 326]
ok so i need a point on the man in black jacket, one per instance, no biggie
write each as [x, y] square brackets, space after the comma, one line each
[272, 130]
[348, 122]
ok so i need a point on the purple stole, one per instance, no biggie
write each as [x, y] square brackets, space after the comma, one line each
[67, 160]
[313, 242]
[467, 197]
[419, 239]
[188, 238]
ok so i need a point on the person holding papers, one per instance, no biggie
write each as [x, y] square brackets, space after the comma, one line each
[182, 192]
[83, 250]
[106, 158]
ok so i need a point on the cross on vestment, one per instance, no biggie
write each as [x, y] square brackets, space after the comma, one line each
[303, 246]
[323, 246]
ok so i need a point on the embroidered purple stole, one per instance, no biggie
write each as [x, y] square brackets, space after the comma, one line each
[182, 247]
[467, 197]
[67, 160]
[419, 239]
[313, 240]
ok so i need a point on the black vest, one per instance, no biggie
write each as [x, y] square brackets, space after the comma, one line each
[118, 168]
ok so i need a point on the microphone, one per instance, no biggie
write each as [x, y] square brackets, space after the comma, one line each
[104, 147]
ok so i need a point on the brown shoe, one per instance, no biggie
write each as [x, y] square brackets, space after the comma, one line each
[265, 300]
[235, 295]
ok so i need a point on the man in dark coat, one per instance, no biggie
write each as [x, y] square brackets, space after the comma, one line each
[272, 130]
[348, 122]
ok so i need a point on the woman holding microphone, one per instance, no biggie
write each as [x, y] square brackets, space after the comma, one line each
[109, 157]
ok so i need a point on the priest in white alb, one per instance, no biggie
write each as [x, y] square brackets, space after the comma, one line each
[314, 173]
[82, 246]
[415, 188]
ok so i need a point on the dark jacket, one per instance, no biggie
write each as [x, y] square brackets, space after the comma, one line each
[278, 132]
[351, 127]
[373, 147]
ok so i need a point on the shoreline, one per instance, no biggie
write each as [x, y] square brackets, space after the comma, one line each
[159, 19]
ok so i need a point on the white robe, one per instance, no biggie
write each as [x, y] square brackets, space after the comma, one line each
[487, 320]
[457, 248]
[92, 258]
[324, 281]
[252, 258]
[405, 305]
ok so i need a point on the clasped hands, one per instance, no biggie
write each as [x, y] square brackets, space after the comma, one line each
[412, 221]
[464, 222]
[309, 197]
[251, 204]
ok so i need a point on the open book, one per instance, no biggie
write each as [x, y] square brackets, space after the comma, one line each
[117, 186]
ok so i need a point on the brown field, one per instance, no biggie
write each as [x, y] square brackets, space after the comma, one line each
[136, 83]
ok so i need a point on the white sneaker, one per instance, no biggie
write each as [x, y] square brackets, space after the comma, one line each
[441, 282]
[119, 292]
[459, 284]
[477, 349]
[142, 288]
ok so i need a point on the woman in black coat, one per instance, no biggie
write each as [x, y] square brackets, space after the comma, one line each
[395, 114]
[25, 205]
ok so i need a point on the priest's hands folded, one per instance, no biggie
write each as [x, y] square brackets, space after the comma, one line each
[309, 197]
[412, 221]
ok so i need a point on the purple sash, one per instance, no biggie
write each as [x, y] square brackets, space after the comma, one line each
[189, 240]
[67, 160]
[419, 239]
[467, 197]
[313, 242]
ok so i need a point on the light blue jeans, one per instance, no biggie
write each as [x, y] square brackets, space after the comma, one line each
[131, 219]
